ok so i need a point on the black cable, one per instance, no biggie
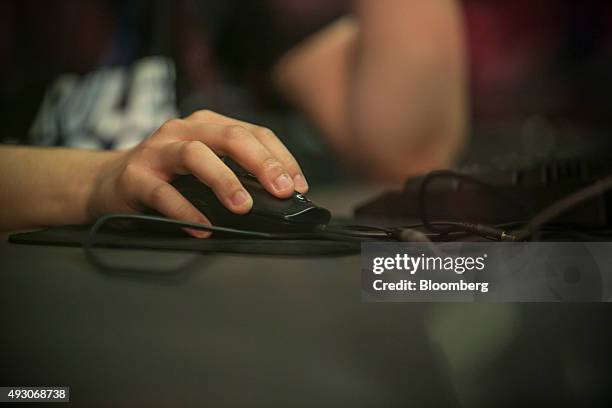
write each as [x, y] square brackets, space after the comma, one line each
[96, 260]
[363, 231]
[332, 234]
[485, 231]
[535, 223]
[355, 233]
[568, 202]
[428, 178]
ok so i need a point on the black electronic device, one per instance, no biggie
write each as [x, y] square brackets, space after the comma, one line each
[498, 196]
[268, 214]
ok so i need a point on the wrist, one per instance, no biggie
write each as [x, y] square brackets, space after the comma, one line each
[93, 181]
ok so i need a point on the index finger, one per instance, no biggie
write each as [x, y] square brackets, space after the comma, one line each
[266, 137]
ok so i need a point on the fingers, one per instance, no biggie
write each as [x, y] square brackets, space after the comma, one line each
[278, 149]
[198, 159]
[241, 145]
[193, 146]
[238, 143]
[266, 137]
[162, 197]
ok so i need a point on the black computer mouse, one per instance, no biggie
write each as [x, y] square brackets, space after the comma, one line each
[268, 214]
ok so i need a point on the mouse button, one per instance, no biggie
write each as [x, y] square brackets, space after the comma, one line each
[185, 181]
[271, 206]
[200, 194]
[295, 210]
[310, 215]
[251, 183]
[237, 169]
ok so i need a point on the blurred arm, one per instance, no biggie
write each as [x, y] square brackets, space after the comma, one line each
[387, 87]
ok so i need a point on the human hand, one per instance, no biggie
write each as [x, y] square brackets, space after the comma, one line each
[140, 177]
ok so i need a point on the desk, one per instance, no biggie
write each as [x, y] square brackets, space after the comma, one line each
[265, 331]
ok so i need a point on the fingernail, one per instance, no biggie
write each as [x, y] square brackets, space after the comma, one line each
[198, 233]
[300, 183]
[283, 182]
[239, 198]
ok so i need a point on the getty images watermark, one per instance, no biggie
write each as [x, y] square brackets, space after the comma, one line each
[486, 272]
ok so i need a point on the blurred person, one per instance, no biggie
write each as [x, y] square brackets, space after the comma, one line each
[385, 82]
[387, 85]
[395, 86]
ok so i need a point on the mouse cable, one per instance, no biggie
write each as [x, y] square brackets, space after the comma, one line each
[91, 242]
[561, 206]
[354, 233]
[336, 234]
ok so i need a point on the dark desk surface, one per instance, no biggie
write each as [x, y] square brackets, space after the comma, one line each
[254, 330]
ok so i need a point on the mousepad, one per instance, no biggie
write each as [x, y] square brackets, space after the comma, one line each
[75, 235]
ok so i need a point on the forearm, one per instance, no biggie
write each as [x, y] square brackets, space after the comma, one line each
[47, 186]
[315, 77]
[409, 101]
[387, 87]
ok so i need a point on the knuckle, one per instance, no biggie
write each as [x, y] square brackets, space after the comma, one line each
[267, 136]
[265, 133]
[235, 136]
[203, 115]
[157, 195]
[128, 176]
[189, 151]
[172, 126]
[146, 149]
[271, 163]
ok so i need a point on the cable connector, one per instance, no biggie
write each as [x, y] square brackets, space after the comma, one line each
[488, 231]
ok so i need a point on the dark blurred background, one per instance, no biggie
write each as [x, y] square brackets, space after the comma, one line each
[214, 43]
[534, 67]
